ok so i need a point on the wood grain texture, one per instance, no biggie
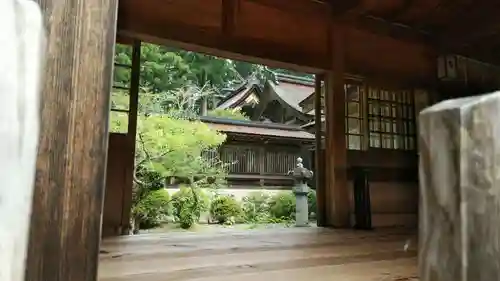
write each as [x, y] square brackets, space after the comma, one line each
[117, 170]
[269, 32]
[337, 195]
[274, 254]
[69, 189]
[319, 154]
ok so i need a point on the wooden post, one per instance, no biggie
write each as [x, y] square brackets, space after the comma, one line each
[69, 189]
[319, 171]
[337, 194]
[135, 77]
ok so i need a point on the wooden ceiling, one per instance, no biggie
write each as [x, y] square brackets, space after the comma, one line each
[397, 37]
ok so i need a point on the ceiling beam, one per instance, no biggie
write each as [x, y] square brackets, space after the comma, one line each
[405, 6]
[437, 11]
[213, 42]
[483, 52]
[229, 17]
[470, 27]
[348, 12]
[390, 29]
[344, 8]
[315, 8]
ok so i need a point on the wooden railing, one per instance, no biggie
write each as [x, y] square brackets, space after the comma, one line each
[257, 160]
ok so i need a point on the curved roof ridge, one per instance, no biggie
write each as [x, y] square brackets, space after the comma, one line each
[289, 78]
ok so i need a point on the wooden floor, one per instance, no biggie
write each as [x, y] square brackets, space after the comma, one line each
[305, 254]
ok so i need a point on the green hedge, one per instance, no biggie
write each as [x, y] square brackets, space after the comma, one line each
[152, 210]
[188, 205]
[225, 209]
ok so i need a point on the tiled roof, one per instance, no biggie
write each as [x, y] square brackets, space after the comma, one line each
[312, 123]
[237, 95]
[293, 90]
[290, 89]
[291, 93]
[257, 128]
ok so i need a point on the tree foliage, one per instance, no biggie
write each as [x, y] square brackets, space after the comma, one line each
[165, 69]
[172, 143]
[174, 147]
[234, 114]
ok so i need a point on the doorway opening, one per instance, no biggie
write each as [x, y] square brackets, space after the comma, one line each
[215, 141]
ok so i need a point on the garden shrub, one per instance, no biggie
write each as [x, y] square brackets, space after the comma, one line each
[225, 209]
[256, 207]
[311, 202]
[188, 204]
[152, 209]
[282, 206]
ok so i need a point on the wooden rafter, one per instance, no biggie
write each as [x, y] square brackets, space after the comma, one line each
[396, 30]
[433, 13]
[229, 16]
[189, 37]
[471, 25]
[483, 52]
[349, 12]
[303, 7]
[343, 8]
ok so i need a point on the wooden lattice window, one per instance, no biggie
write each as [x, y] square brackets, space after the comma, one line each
[120, 92]
[240, 159]
[391, 119]
[354, 116]
[280, 162]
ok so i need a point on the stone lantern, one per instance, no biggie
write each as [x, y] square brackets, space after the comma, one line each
[301, 175]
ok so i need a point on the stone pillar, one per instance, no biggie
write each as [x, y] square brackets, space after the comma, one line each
[301, 175]
[459, 190]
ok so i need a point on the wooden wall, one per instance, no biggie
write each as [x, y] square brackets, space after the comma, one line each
[116, 212]
[263, 162]
[393, 181]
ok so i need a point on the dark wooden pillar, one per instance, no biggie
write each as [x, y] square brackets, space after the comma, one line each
[69, 189]
[135, 77]
[319, 171]
[337, 194]
[362, 201]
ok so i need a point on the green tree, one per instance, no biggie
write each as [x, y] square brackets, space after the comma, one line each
[234, 114]
[173, 144]
[165, 69]
[162, 70]
[174, 147]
